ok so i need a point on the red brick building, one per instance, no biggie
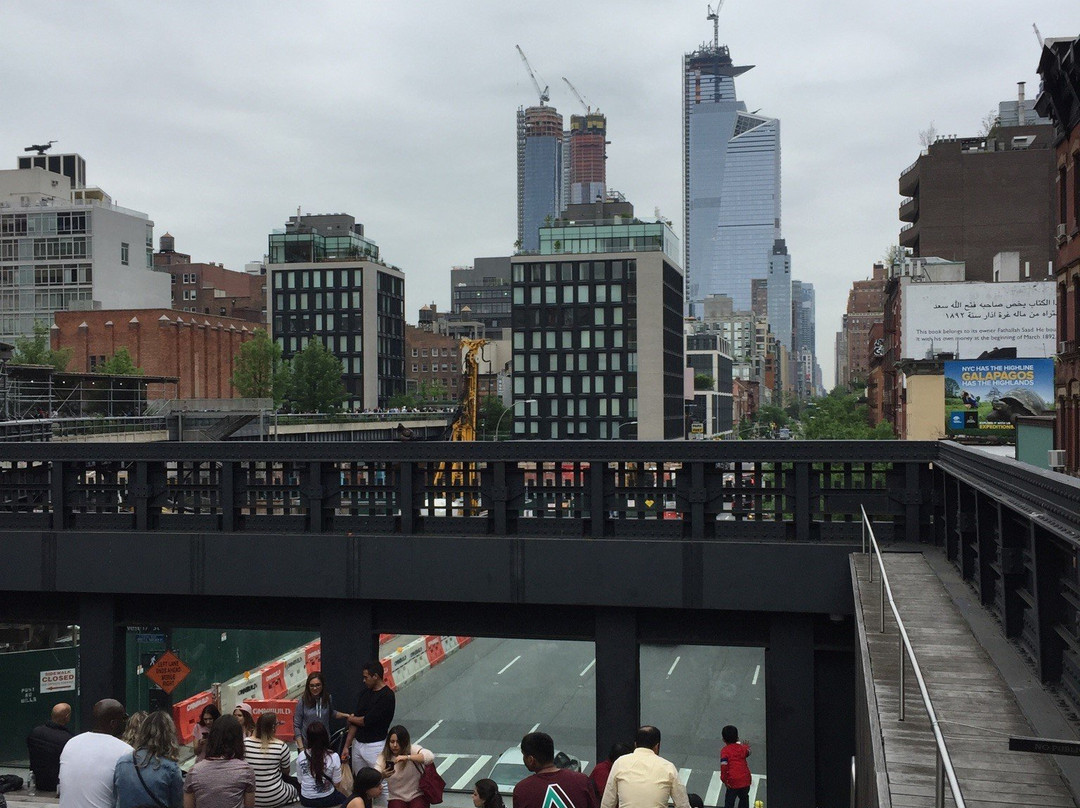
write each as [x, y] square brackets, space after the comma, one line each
[200, 350]
[1059, 67]
[865, 308]
[431, 357]
[210, 288]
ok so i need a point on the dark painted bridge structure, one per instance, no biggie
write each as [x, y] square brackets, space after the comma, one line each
[618, 543]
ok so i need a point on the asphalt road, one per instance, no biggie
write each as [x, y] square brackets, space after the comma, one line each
[484, 697]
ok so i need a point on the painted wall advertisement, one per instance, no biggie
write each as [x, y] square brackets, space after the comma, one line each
[984, 396]
[968, 319]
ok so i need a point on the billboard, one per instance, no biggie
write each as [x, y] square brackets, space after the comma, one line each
[984, 396]
[968, 319]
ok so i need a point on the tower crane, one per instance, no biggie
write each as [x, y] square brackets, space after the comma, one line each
[577, 95]
[542, 93]
[714, 15]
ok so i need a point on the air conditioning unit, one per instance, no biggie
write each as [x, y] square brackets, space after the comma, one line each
[1056, 458]
[1061, 230]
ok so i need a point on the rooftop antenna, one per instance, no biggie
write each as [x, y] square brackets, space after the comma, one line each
[573, 89]
[542, 93]
[1038, 36]
[42, 148]
[714, 15]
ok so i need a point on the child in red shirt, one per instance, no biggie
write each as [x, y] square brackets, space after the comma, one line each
[734, 773]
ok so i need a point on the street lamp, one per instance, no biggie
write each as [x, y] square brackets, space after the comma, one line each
[618, 428]
[512, 406]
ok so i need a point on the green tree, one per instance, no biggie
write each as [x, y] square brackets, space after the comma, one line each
[259, 371]
[491, 416]
[314, 383]
[703, 381]
[120, 364]
[840, 416]
[35, 349]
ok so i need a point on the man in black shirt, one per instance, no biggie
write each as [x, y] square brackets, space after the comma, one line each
[369, 725]
[44, 743]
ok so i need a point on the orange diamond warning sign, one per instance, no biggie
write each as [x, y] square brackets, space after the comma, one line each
[168, 671]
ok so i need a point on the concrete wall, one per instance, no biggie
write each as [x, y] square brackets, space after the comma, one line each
[925, 411]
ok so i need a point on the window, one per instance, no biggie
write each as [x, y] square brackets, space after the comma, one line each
[125, 249]
[415, 352]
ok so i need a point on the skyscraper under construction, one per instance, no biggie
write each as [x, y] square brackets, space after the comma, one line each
[731, 182]
[588, 154]
[539, 171]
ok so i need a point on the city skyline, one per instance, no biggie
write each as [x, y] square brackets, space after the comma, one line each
[217, 120]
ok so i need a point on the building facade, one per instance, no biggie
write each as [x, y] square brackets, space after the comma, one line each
[1059, 67]
[210, 288]
[65, 246]
[431, 360]
[199, 350]
[597, 333]
[480, 296]
[708, 354]
[865, 308]
[731, 181]
[326, 282]
[539, 172]
[778, 300]
[588, 158]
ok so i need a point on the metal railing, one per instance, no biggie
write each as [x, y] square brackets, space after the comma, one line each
[943, 768]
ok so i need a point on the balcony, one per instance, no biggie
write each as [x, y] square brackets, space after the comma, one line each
[909, 179]
[909, 209]
[909, 236]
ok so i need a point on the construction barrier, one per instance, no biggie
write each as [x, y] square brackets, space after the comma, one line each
[186, 714]
[285, 708]
[433, 648]
[313, 656]
[273, 681]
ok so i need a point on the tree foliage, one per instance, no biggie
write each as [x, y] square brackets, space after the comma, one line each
[427, 394]
[840, 416]
[494, 415]
[35, 349]
[120, 364]
[259, 370]
[314, 380]
[703, 381]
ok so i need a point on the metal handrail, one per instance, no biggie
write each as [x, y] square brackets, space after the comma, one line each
[943, 768]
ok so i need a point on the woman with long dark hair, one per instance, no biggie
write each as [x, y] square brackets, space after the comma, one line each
[150, 774]
[486, 794]
[315, 705]
[201, 731]
[319, 770]
[223, 779]
[367, 785]
[242, 712]
[269, 757]
[401, 763]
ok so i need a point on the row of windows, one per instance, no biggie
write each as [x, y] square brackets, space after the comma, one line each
[46, 223]
[567, 294]
[446, 368]
[435, 352]
[593, 428]
[318, 279]
[573, 385]
[574, 363]
[302, 301]
[569, 271]
[610, 338]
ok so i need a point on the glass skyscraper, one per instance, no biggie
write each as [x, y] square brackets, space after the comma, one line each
[731, 182]
[540, 172]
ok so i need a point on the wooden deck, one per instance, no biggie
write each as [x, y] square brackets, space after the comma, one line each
[976, 710]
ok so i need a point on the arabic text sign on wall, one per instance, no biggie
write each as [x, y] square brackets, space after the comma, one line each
[58, 680]
[967, 319]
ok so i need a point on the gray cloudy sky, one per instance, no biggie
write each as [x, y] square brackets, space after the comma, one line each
[220, 118]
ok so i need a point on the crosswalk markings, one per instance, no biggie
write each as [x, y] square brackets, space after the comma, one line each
[465, 781]
[684, 775]
[712, 796]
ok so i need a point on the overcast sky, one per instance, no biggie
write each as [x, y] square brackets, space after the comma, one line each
[219, 119]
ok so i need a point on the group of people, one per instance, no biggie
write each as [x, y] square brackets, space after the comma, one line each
[133, 762]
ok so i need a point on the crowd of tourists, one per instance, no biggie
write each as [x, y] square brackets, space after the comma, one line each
[133, 762]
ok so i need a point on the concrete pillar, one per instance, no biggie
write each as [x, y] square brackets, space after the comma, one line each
[789, 710]
[101, 654]
[349, 639]
[618, 678]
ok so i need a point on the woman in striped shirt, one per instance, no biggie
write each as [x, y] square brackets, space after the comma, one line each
[269, 756]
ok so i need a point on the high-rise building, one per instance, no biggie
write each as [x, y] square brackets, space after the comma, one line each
[480, 296]
[65, 246]
[803, 339]
[588, 156]
[779, 293]
[539, 172]
[865, 307]
[326, 282]
[731, 181]
[598, 339]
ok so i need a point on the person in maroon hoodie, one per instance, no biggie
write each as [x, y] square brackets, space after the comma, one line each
[734, 773]
[571, 788]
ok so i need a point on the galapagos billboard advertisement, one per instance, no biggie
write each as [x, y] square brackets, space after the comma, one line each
[984, 396]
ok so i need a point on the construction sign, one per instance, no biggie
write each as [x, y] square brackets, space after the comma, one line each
[168, 671]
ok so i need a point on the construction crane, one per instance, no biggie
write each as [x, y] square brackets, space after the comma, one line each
[464, 426]
[542, 93]
[573, 89]
[714, 15]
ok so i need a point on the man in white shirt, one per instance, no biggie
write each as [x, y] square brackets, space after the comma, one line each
[89, 760]
[643, 779]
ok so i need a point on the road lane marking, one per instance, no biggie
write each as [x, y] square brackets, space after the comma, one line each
[449, 760]
[757, 671]
[712, 796]
[536, 726]
[684, 775]
[755, 781]
[508, 664]
[474, 769]
[587, 668]
[433, 728]
[673, 664]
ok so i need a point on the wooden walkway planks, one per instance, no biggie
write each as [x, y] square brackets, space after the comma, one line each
[976, 710]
